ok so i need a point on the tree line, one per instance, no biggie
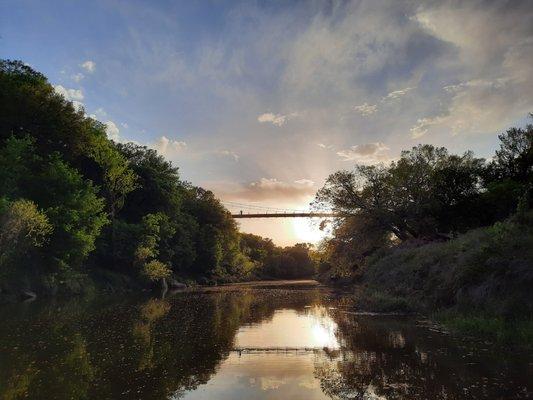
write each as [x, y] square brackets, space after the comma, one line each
[427, 194]
[73, 201]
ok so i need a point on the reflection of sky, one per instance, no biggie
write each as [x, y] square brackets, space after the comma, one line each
[263, 376]
[271, 374]
[287, 328]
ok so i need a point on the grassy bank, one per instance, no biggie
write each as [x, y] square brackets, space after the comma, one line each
[478, 283]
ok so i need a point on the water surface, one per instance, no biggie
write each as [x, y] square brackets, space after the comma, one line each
[243, 342]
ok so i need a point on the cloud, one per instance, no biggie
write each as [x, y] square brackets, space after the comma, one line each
[496, 75]
[366, 109]
[88, 66]
[325, 146]
[397, 94]
[78, 77]
[229, 153]
[368, 153]
[271, 189]
[124, 125]
[167, 147]
[100, 112]
[69, 94]
[112, 131]
[276, 119]
[306, 182]
[422, 126]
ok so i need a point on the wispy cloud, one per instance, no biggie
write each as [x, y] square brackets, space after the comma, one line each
[229, 153]
[271, 189]
[78, 77]
[397, 94]
[368, 153]
[88, 66]
[276, 119]
[366, 109]
[424, 124]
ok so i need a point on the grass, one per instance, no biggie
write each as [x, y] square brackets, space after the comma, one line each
[492, 327]
[377, 301]
[478, 283]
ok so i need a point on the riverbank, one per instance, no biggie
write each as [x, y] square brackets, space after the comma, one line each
[478, 283]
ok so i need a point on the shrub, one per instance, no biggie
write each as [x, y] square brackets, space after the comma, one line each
[23, 225]
[155, 270]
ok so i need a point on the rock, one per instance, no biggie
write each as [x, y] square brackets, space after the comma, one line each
[174, 284]
[164, 287]
[28, 295]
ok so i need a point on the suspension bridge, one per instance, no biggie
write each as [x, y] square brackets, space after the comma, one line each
[242, 210]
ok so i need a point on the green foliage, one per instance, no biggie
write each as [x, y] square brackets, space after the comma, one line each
[70, 203]
[378, 301]
[487, 271]
[270, 261]
[495, 328]
[109, 205]
[426, 195]
[23, 225]
[155, 270]
[24, 229]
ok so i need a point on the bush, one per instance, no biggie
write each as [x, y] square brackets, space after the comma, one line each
[155, 270]
[23, 230]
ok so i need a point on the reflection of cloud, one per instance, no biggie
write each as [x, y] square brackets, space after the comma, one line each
[368, 153]
[270, 188]
[270, 382]
[309, 383]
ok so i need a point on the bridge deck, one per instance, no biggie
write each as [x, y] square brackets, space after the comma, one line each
[285, 215]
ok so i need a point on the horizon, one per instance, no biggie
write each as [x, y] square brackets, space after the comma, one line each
[261, 102]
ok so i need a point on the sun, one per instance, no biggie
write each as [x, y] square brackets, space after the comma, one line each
[306, 230]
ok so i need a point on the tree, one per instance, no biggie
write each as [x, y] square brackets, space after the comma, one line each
[424, 193]
[70, 203]
[23, 230]
[514, 159]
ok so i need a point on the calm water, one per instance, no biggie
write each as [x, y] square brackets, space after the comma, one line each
[242, 343]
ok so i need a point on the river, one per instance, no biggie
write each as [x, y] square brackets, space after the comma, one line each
[289, 341]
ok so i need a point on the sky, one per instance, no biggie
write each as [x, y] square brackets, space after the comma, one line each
[259, 101]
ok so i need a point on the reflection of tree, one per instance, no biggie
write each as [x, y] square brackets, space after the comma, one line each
[153, 310]
[115, 348]
[45, 363]
[395, 359]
